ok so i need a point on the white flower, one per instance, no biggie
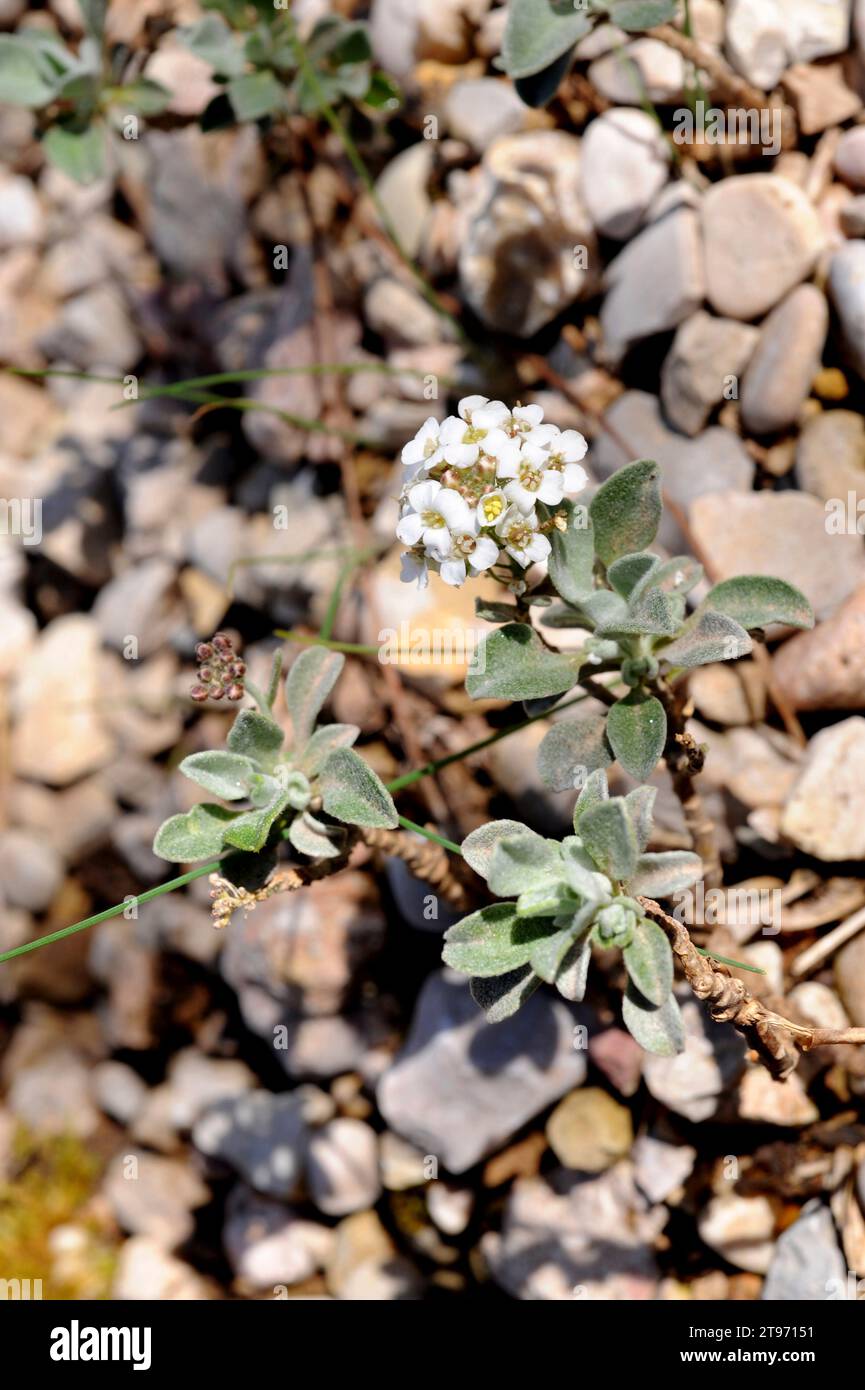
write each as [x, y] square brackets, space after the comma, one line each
[434, 511]
[527, 417]
[463, 436]
[501, 447]
[414, 569]
[531, 480]
[519, 536]
[565, 453]
[469, 553]
[425, 450]
[491, 506]
[483, 414]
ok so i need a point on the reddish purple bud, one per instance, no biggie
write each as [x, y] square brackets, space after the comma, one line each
[217, 692]
[198, 693]
[237, 668]
[235, 692]
[203, 651]
[205, 673]
[222, 642]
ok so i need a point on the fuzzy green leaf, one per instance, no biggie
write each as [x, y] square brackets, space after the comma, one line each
[657, 1029]
[501, 998]
[651, 613]
[353, 793]
[210, 39]
[493, 940]
[249, 831]
[312, 837]
[573, 971]
[572, 556]
[608, 611]
[478, 847]
[307, 686]
[228, 775]
[536, 34]
[143, 97]
[571, 750]
[757, 600]
[255, 736]
[514, 664]
[526, 861]
[639, 804]
[635, 16]
[548, 955]
[79, 154]
[24, 80]
[626, 572]
[637, 731]
[670, 871]
[548, 899]
[255, 94]
[193, 835]
[626, 510]
[594, 791]
[678, 576]
[707, 637]
[609, 837]
[581, 872]
[649, 961]
[323, 743]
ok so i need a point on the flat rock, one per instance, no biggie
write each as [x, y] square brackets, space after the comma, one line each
[850, 157]
[821, 96]
[480, 109]
[785, 362]
[763, 36]
[269, 1244]
[728, 693]
[777, 533]
[659, 77]
[147, 1272]
[808, 1265]
[694, 1082]
[51, 1095]
[154, 1196]
[712, 462]
[450, 1207]
[847, 291]
[850, 979]
[762, 237]
[57, 740]
[830, 456]
[31, 870]
[461, 1087]
[342, 1167]
[523, 218]
[655, 283]
[590, 1131]
[139, 603]
[660, 1168]
[402, 188]
[400, 314]
[825, 668]
[766, 1101]
[706, 356]
[577, 1237]
[263, 1136]
[625, 163]
[741, 1229]
[825, 813]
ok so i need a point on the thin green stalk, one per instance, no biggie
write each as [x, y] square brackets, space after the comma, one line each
[358, 558]
[725, 960]
[315, 640]
[109, 912]
[430, 835]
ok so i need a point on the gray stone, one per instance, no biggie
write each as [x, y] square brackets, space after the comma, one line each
[741, 1229]
[196, 1082]
[778, 533]
[480, 109]
[393, 34]
[850, 978]
[714, 461]
[523, 220]
[808, 1265]
[694, 1082]
[825, 668]
[51, 1095]
[263, 1136]
[847, 290]
[399, 313]
[825, 813]
[786, 360]
[660, 1167]
[154, 1196]
[461, 1087]
[853, 216]
[402, 188]
[342, 1167]
[625, 163]
[830, 456]
[119, 1091]
[269, 1244]
[94, 330]
[31, 870]
[141, 603]
[571, 1237]
[655, 283]
[659, 75]
[850, 157]
[762, 236]
[705, 353]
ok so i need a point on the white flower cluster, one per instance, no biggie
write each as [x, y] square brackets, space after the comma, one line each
[472, 483]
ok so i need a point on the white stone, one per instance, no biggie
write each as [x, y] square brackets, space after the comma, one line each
[625, 163]
[762, 236]
[342, 1167]
[741, 1229]
[655, 283]
[825, 813]
[661, 73]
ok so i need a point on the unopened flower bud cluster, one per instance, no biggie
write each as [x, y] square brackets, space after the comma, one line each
[220, 673]
[472, 488]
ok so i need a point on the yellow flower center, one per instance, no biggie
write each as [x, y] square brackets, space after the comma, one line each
[432, 519]
[492, 508]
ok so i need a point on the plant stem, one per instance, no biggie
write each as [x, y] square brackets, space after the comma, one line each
[429, 835]
[316, 640]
